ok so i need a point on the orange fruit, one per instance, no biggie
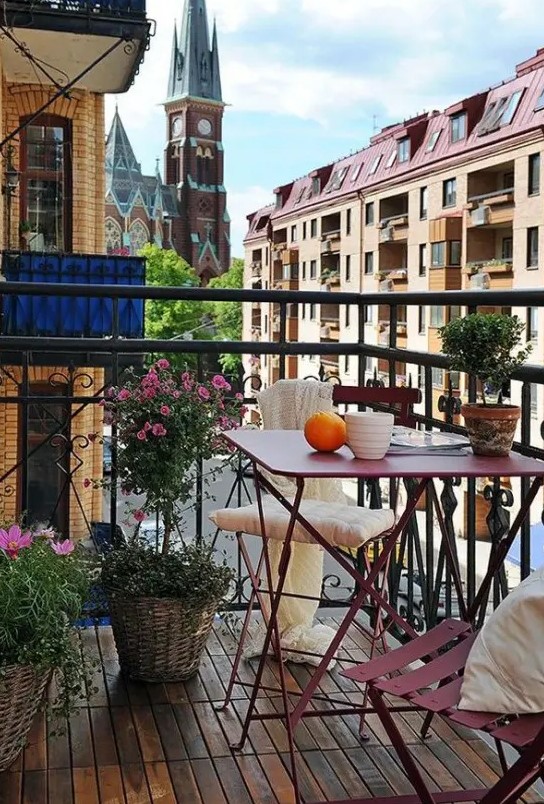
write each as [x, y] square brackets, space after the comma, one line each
[325, 432]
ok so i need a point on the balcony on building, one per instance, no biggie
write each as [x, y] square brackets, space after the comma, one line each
[291, 323]
[444, 258]
[489, 257]
[74, 316]
[329, 276]
[256, 266]
[384, 327]
[279, 244]
[393, 261]
[72, 35]
[491, 197]
[331, 233]
[330, 322]
[393, 219]
[285, 273]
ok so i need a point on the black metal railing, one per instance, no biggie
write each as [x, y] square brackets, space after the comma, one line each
[47, 383]
[116, 7]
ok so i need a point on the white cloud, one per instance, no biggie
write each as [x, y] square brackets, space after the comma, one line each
[241, 202]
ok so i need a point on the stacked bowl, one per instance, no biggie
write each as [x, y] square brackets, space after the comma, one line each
[369, 434]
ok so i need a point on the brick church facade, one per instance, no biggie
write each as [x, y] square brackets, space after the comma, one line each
[187, 208]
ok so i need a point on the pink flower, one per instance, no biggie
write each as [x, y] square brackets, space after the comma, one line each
[108, 417]
[220, 383]
[63, 548]
[150, 393]
[45, 533]
[123, 394]
[141, 435]
[176, 394]
[162, 363]
[203, 393]
[187, 380]
[101, 403]
[239, 397]
[158, 430]
[13, 540]
[243, 410]
[86, 483]
[110, 393]
[139, 515]
[147, 427]
[165, 410]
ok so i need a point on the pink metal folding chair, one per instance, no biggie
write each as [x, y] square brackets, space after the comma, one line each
[444, 651]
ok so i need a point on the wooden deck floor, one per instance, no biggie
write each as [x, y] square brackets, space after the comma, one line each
[136, 743]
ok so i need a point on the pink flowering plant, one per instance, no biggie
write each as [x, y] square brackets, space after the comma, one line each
[44, 582]
[166, 422]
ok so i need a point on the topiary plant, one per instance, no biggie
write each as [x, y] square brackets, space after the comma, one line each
[488, 346]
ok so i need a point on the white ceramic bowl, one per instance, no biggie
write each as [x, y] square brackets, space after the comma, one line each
[369, 434]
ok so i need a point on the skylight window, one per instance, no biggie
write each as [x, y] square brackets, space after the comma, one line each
[500, 113]
[391, 161]
[375, 164]
[511, 108]
[337, 179]
[300, 196]
[355, 172]
[540, 102]
[433, 139]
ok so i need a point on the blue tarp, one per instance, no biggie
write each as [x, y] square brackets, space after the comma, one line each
[536, 547]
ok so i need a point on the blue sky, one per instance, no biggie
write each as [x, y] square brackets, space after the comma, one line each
[308, 80]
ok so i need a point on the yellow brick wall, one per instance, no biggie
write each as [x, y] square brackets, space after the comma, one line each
[85, 110]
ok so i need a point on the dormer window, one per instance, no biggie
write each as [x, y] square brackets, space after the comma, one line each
[316, 185]
[375, 164]
[433, 139]
[279, 201]
[540, 102]
[403, 149]
[458, 123]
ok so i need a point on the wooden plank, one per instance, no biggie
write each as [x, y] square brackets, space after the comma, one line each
[110, 785]
[125, 736]
[35, 754]
[115, 686]
[60, 786]
[325, 775]
[192, 736]
[368, 771]
[278, 777]
[184, 783]
[210, 679]
[58, 748]
[35, 787]
[209, 725]
[434, 767]
[11, 787]
[135, 783]
[309, 788]
[345, 771]
[170, 735]
[85, 786]
[259, 737]
[105, 749]
[208, 781]
[159, 782]
[232, 781]
[256, 780]
[81, 743]
[157, 694]
[148, 735]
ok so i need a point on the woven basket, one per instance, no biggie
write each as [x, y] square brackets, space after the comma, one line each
[155, 639]
[21, 693]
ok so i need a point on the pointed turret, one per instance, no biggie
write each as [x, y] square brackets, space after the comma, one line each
[194, 67]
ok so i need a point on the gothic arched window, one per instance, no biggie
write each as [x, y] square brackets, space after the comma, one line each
[139, 236]
[114, 235]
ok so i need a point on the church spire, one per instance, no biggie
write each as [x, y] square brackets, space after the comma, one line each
[194, 66]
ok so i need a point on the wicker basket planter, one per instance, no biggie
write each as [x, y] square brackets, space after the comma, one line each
[21, 693]
[157, 639]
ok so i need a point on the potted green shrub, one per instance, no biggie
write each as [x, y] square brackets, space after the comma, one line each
[163, 598]
[25, 230]
[43, 584]
[488, 347]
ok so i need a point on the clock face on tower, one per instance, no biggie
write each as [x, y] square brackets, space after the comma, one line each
[177, 126]
[204, 127]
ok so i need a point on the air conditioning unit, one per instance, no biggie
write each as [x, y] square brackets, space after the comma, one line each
[480, 216]
[480, 282]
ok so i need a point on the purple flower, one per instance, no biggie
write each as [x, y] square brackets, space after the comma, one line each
[239, 397]
[13, 540]
[158, 430]
[45, 533]
[108, 417]
[63, 548]
[123, 394]
[163, 363]
[203, 393]
[165, 410]
[220, 383]
[141, 435]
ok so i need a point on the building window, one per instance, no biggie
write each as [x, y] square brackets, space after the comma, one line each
[369, 213]
[531, 328]
[403, 149]
[346, 364]
[303, 311]
[458, 127]
[534, 401]
[375, 164]
[507, 248]
[455, 252]
[316, 185]
[313, 269]
[532, 247]
[540, 102]
[139, 236]
[348, 268]
[437, 377]
[369, 262]
[313, 312]
[304, 270]
[421, 320]
[313, 227]
[449, 193]
[348, 221]
[114, 236]
[436, 316]
[423, 203]
[422, 259]
[46, 182]
[293, 234]
[347, 315]
[368, 314]
[304, 230]
[534, 174]
[438, 254]
[433, 139]
[391, 161]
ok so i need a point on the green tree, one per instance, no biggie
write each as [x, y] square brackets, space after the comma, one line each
[227, 316]
[166, 319]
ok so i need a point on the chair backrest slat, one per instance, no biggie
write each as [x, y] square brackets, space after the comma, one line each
[401, 400]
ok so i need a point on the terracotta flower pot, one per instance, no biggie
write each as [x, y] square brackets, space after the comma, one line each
[491, 428]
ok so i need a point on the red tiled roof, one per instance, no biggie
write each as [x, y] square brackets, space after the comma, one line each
[359, 179]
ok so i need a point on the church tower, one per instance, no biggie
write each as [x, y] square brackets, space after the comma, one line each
[194, 151]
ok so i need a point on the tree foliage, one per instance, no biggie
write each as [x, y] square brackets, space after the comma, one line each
[227, 316]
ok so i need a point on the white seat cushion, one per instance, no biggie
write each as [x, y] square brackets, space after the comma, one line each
[504, 672]
[341, 525]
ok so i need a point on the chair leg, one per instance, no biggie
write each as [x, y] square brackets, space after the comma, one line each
[408, 762]
[518, 778]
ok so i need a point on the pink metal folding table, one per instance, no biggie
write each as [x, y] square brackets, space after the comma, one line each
[286, 453]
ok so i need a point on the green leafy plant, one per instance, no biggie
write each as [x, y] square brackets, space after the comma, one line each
[24, 227]
[44, 583]
[488, 346]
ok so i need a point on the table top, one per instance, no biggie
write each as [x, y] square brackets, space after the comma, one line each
[287, 453]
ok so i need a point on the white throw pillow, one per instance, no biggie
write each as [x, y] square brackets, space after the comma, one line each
[341, 525]
[505, 667]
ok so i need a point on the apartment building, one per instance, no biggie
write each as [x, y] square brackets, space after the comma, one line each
[443, 201]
